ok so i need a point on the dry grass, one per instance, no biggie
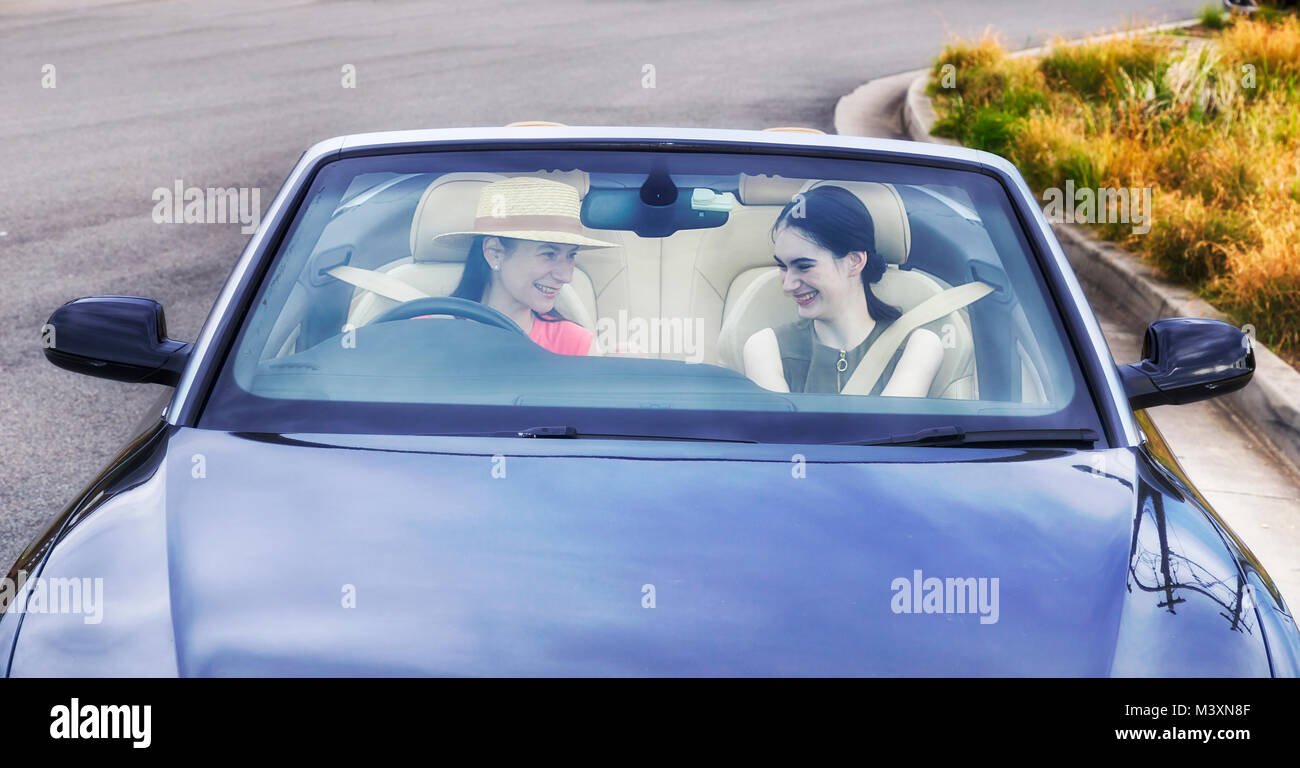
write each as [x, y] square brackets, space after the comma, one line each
[1211, 124]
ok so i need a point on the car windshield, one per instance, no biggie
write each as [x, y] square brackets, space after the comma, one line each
[747, 296]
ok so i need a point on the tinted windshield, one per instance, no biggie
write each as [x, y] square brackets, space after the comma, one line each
[712, 296]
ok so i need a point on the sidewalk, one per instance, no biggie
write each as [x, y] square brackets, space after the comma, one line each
[1254, 490]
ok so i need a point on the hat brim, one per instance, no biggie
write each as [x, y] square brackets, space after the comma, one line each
[541, 236]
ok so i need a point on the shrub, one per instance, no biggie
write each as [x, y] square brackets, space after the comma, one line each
[1092, 70]
[1220, 150]
[1213, 17]
[1272, 50]
[1190, 241]
[1262, 282]
[969, 54]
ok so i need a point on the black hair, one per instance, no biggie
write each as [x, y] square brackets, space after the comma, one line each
[837, 220]
[478, 275]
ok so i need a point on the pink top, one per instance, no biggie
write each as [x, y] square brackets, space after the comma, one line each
[563, 337]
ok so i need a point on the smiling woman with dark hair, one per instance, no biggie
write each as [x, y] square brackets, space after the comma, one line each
[526, 235]
[825, 247]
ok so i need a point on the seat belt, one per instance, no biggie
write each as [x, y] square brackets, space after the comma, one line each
[377, 282]
[873, 363]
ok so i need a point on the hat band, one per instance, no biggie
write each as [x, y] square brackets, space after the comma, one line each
[569, 224]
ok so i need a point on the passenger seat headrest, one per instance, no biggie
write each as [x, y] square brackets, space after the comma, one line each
[768, 190]
[451, 202]
[893, 234]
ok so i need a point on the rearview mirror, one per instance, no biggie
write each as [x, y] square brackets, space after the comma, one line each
[1186, 359]
[115, 337]
[631, 210]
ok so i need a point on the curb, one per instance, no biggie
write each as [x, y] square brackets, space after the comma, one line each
[918, 112]
[1270, 405]
[877, 108]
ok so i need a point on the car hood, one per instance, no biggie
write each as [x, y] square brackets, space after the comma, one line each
[323, 555]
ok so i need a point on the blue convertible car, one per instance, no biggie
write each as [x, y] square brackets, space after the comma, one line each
[598, 401]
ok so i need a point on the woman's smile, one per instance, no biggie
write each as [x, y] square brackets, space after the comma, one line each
[805, 297]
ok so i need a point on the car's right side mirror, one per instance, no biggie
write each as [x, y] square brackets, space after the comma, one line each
[1185, 359]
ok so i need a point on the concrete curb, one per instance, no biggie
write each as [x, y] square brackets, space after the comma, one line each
[918, 112]
[1270, 405]
[875, 108]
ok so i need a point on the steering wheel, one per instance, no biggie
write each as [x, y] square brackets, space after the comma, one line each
[448, 305]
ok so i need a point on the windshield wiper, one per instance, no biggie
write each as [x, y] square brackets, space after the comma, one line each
[564, 431]
[954, 435]
[568, 432]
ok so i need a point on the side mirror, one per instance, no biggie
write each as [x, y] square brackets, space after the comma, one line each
[115, 337]
[1186, 359]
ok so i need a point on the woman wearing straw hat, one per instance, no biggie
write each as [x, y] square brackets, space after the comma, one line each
[526, 234]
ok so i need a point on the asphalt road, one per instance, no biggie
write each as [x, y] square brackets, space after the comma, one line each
[229, 94]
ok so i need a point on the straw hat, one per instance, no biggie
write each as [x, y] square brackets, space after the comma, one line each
[528, 208]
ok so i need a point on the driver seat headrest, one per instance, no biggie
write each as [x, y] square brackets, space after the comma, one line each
[450, 204]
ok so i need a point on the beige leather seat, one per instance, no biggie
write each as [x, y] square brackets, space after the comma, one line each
[604, 281]
[734, 273]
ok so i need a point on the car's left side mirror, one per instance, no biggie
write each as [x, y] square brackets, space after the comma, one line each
[115, 337]
[1185, 359]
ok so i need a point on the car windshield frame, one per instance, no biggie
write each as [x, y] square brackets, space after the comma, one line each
[226, 406]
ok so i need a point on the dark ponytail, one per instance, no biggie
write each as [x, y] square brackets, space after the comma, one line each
[837, 220]
[477, 275]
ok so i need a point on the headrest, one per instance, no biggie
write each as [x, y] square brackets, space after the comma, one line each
[451, 203]
[767, 190]
[893, 234]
